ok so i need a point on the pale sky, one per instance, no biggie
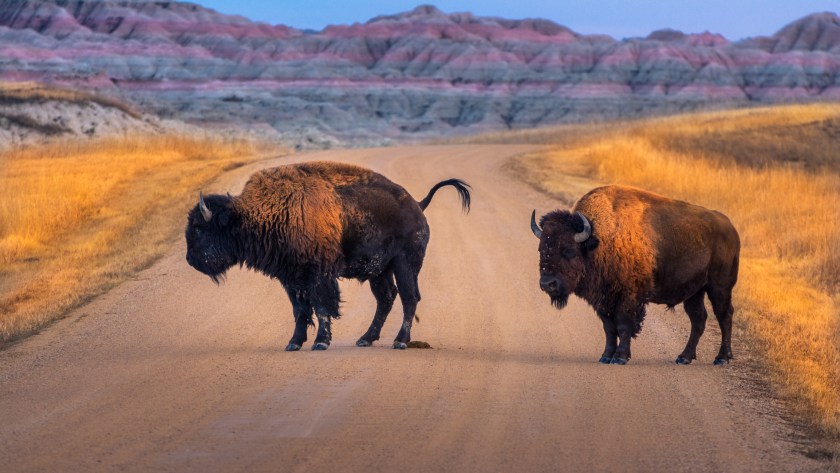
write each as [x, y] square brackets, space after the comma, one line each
[734, 19]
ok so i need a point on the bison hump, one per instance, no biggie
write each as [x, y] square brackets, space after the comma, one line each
[298, 207]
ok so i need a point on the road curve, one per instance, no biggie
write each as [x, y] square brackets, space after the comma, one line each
[169, 372]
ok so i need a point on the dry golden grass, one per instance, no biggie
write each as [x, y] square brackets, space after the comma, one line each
[558, 135]
[28, 92]
[774, 172]
[78, 217]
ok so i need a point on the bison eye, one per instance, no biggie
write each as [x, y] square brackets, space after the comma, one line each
[569, 253]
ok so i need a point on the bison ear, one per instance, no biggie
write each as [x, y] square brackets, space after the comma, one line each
[224, 218]
[590, 244]
[228, 212]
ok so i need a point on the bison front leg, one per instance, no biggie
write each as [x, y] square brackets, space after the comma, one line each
[611, 334]
[627, 324]
[325, 300]
[303, 319]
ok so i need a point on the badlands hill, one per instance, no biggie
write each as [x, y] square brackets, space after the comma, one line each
[422, 73]
[30, 112]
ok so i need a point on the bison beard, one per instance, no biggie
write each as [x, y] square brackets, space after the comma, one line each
[623, 248]
[559, 301]
[308, 225]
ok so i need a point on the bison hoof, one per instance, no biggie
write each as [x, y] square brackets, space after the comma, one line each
[363, 343]
[721, 361]
[400, 345]
[320, 346]
[681, 360]
[605, 360]
[618, 361]
[292, 347]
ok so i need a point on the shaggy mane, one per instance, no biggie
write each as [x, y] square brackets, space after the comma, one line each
[301, 200]
[626, 257]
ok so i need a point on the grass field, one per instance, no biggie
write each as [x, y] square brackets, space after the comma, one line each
[78, 217]
[776, 173]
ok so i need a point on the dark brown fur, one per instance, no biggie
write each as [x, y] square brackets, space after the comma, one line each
[308, 225]
[644, 248]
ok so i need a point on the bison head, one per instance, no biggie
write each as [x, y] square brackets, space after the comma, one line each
[210, 243]
[565, 241]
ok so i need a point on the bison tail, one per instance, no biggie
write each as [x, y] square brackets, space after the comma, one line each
[463, 192]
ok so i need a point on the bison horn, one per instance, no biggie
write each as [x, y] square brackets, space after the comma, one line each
[587, 230]
[205, 212]
[534, 227]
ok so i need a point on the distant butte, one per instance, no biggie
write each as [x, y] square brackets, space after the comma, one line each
[420, 73]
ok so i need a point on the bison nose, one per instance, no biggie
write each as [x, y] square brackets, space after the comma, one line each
[189, 260]
[549, 283]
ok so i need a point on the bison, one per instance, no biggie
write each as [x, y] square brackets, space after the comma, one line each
[308, 225]
[621, 248]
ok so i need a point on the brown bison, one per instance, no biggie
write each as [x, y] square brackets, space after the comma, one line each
[621, 248]
[308, 225]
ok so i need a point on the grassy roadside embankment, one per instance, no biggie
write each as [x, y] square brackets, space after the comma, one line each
[776, 173]
[78, 217]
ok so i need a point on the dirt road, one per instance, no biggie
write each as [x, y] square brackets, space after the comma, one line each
[172, 373]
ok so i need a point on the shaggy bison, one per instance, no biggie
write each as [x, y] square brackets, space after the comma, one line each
[308, 225]
[621, 248]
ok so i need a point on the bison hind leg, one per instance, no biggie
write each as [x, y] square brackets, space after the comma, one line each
[722, 306]
[406, 275]
[696, 310]
[385, 292]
